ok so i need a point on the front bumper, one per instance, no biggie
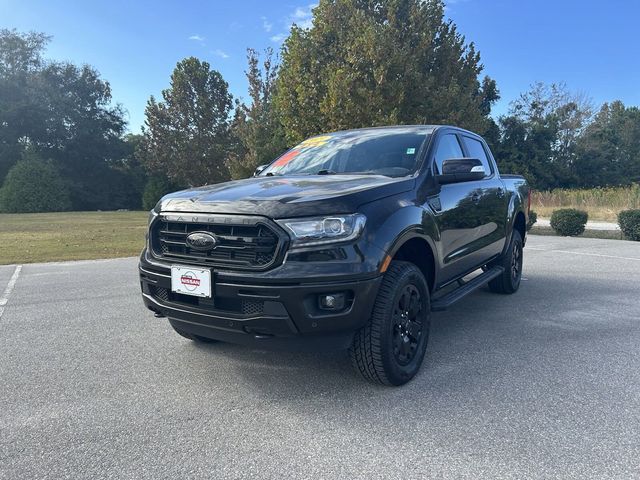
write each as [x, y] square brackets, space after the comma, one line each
[261, 311]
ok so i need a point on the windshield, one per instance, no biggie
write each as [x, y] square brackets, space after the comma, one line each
[392, 153]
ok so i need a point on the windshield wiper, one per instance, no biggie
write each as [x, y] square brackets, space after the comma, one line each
[326, 171]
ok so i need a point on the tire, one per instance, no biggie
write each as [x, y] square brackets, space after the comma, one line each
[511, 261]
[193, 337]
[390, 348]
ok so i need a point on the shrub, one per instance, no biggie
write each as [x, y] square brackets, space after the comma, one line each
[533, 218]
[34, 185]
[629, 221]
[569, 222]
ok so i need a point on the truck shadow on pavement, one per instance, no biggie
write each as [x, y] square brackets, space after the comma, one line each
[483, 337]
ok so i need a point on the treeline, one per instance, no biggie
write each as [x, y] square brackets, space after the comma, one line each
[554, 139]
[63, 143]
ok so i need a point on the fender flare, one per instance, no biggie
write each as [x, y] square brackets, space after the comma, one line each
[409, 233]
[515, 207]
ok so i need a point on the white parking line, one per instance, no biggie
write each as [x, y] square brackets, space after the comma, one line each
[7, 291]
[582, 253]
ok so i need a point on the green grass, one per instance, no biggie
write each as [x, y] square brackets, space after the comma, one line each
[602, 204]
[47, 237]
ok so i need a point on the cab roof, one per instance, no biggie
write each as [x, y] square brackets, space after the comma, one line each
[424, 129]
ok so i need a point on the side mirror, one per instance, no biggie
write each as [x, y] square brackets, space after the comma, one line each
[456, 170]
[259, 170]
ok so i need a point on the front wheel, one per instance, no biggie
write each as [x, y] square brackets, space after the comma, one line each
[390, 348]
[511, 261]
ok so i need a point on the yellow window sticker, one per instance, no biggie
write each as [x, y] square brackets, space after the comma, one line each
[315, 141]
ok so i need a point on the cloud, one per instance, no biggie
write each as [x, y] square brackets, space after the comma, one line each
[301, 16]
[266, 25]
[449, 4]
[220, 53]
[278, 38]
[196, 38]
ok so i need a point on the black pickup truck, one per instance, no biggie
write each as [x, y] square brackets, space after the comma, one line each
[348, 240]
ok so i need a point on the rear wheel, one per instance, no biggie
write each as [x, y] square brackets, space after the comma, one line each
[390, 348]
[511, 261]
[193, 337]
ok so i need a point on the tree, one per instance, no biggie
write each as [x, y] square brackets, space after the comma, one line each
[61, 111]
[20, 59]
[256, 127]
[186, 136]
[33, 185]
[21, 53]
[538, 136]
[84, 133]
[368, 62]
[609, 148]
[157, 186]
[130, 176]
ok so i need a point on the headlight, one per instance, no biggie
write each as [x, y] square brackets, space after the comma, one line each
[320, 230]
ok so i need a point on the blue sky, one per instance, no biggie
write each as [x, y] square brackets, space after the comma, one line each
[592, 46]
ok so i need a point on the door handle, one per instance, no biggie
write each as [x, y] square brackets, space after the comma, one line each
[500, 192]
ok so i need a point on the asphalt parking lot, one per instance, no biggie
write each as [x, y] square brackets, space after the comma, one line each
[541, 384]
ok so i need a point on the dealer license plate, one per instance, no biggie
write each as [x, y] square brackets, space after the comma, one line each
[191, 281]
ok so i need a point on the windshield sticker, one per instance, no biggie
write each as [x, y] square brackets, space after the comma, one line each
[315, 141]
[411, 151]
[286, 158]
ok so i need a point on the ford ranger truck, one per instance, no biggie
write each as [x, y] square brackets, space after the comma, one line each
[348, 240]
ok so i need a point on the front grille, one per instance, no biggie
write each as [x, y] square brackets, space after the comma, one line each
[252, 307]
[161, 293]
[246, 243]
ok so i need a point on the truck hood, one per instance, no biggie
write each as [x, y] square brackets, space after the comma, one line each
[287, 196]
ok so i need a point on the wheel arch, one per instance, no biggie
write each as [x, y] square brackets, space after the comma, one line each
[520, 224]
[516, 219]
[411, 246]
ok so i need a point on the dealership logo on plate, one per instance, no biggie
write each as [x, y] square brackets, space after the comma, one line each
[190, 281]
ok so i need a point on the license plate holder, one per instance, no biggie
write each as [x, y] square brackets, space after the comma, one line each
[193, 281]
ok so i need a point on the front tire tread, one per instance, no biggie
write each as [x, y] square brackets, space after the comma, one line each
[366, 351]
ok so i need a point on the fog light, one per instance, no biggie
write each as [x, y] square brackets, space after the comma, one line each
[331, 301]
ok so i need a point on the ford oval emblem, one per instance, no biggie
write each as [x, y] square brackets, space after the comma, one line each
[201, 241]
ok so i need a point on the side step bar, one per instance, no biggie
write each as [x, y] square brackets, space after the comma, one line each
[449, 299]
